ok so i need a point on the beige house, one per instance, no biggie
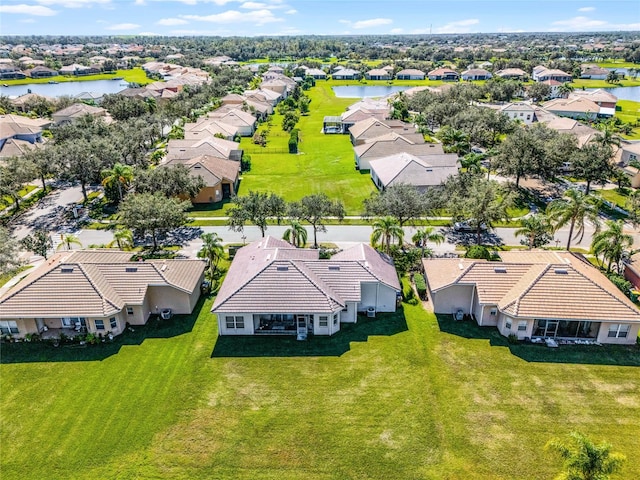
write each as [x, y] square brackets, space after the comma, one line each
[273, 288]
[79, 110]
[209, 127]
[98, 291]
[373, 127]
[403, 168]
[213, 146]
[536, 295]
[220, 176]
[391, 144]
[577, 108]
[244, 121]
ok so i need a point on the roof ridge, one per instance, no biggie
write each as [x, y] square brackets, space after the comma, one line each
[317, 282]
[94, 285]
[519, 296]
[244, 284]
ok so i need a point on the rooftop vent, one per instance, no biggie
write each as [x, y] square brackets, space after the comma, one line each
[500, 270]
[334, 267]
[66, 270]
[561, 271]
[131, 269]
[282, 268]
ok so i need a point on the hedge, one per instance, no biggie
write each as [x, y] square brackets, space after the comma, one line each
[421, 285]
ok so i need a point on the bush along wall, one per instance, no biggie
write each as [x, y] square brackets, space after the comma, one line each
[293, 141]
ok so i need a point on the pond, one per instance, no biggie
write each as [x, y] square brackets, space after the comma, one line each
[366, 91]
[624, 93]
[65, 88]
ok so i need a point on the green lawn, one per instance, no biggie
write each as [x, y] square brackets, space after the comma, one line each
[630, 113]
[135, 75]
[629, 82]
[402, 396]
[619, 63]
[6, 200]
[614, 196]
[325, 163]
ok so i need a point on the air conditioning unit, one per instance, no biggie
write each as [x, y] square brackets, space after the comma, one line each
[371, 312]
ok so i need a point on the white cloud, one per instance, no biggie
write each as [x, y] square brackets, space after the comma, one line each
[346, 22]
[254, 5]
[586, 9]
[396, 30]
[255, 17]
[74, 3]
[373, 22]
[28, 20]
[583, 24]
[123, 26]
[37, 10]
[293, 11]
[170, 22]
[461, 26]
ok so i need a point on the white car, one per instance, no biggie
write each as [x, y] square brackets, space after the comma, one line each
[467, 227]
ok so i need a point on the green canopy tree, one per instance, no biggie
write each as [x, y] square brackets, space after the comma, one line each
[171, 181]
[153, 213]
[119, 177]
[39, 242]
[592, 163]
[585, 460]
[612, 243]
[315, 209]
[13, 176]
[574, 209]
[537, 231]
[256, 208]
[401, 201]
[8, 251]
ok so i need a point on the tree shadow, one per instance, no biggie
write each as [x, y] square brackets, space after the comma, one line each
[45, 351]
[385, 324]
[621, 355]
[488, 238]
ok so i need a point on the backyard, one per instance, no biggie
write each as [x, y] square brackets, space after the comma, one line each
[408, 395]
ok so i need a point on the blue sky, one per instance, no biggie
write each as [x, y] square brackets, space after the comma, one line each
[311, 17]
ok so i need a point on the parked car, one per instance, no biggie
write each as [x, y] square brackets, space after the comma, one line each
[466, 227]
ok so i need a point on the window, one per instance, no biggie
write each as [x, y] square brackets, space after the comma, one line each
[9, 327]
[632, 156]
[234, 322]
[113, 323]
[522, 326]
[493, 312]
[619, 330]
[99, 324]
[507, 324]
[323, 321]
[129, 310]
[335, 318]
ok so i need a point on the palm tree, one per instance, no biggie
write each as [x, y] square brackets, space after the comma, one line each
[427, 234]
[565, 89]
[123, 238]
[296, 234]
[119, 175]
[573, 209]
[212, 250]
[68, 241]
[612, 243]
[584, 460]
[456, 141]
[607, 135]
[388, 230]
[536, 229]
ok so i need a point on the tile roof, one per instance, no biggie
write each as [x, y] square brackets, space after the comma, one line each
[394, 143]
[218, 169]
[271, 276]
[575, 104]
[11, 125]
[537, 284]
[94, 283]
[412, 170]
[214, 146]
[79, 110]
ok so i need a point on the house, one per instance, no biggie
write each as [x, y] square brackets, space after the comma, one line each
[245, 122]
[389, 144]
[346, 74]
[315, 73]
[476, 74]
[94, 97]
[232, 99]
[16, 129]
[600, 97]
[79, 110]
[630, 152]
[76, 69]
[523, 112]
[593, 72]
[443, 73]
[372, 127]
[24, 102]
[422, 172]
[9, 72]
[273, 288]
[209, 127]
[632, 270]
[554, 85]
[220, 175]
[378, 74]
[267, 96]
[276, 69]
[213, 146]
[542, 73]
[536, 295]
[41, 72]
[410, 74]
[512, 74]
[99, 292]
[577, 107]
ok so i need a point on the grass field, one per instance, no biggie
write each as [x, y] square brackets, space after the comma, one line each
[325, 163]
[135, 75]
[6, 201]
[402, 396]
[630, 113]
[628, 82]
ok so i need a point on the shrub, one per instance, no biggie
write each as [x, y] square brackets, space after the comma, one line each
[478, 252]
[421, 285]
[620, 282]
[512, 338]
[245, 163]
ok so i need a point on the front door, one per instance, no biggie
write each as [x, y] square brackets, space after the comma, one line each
[226, 190]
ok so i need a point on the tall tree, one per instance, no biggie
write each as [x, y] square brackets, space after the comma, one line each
[212, 250]
[539, 91]
[537, 231]
[574, 209]
[592, 163]
[8, 251]
[584, 460]
[118, 176]
[39, 242]
[43, 162]
[256, 208]
[296, 234]
[68, 241]
[565, 89]
[402, 201]
[315, 209]
[171, 181]
[386, 231]
[123, 238]
[425, 235]
[153, 213]
[612, 243]
[13, 175]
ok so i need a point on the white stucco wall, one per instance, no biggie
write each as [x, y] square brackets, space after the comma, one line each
[450, 299]
[630, 339]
